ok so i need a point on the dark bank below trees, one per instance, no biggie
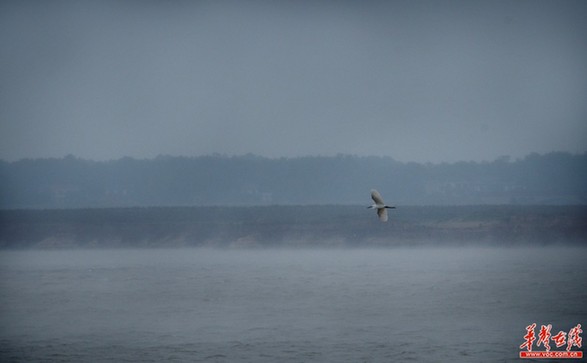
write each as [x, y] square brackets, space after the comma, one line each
[293, 226]
[555, 178]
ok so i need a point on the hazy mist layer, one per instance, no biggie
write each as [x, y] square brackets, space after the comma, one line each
[417, 81]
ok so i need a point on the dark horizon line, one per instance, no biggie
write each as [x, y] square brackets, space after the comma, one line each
[503, 158]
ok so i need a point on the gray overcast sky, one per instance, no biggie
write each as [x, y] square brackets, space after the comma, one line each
[414, 80]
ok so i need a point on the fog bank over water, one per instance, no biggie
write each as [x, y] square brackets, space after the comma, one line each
[293, 227]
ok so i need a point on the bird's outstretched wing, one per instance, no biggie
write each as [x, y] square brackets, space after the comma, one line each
[382, 213]
[376, 197]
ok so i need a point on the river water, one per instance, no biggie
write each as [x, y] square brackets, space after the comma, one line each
[306, 305]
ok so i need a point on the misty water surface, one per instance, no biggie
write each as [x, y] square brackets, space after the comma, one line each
[284, 305]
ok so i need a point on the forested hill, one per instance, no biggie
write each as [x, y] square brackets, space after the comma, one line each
[555, 178]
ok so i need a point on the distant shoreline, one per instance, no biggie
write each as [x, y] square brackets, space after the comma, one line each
[551, 179]
[292, 226]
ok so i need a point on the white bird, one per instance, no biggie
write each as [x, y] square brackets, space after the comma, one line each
[379, 205]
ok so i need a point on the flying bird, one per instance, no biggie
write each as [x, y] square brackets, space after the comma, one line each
[379, 205]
